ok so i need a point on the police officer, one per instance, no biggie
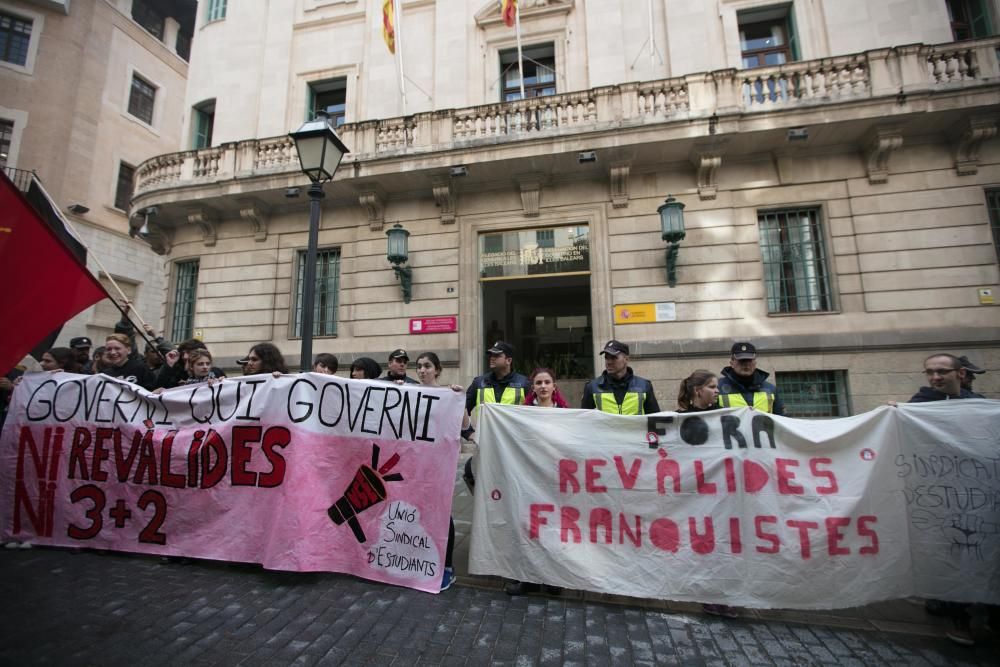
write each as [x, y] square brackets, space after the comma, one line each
[742, 384]
[618, 390]
[500, 385]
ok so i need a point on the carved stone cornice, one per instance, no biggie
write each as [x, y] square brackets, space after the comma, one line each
[444, 196]
[207, 221]
[969, 137]
[531, 193]
[618, 176]
[257, 215]
[490, 14]
[372, 199]
[879, 145]
[707, 163]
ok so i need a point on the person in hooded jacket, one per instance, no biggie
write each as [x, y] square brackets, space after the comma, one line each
[743, 385]
[120, 364]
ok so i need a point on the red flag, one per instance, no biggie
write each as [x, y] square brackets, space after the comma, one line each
[389, 25]
[43, 282]
[508, 10]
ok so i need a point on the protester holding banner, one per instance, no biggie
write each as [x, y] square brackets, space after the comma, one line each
[325, 363]
[119, 364]
[742, 384]
[60, 359]
[81, 347]
[176, 371]
[699, 392]
[200, 367]
[263, 358]
[365, 368]
[945, 374]
[429, 371]
[618, 390]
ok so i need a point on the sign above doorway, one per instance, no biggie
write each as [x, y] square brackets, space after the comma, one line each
[425, 325]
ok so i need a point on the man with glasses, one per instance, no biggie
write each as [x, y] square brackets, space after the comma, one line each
[944, 375]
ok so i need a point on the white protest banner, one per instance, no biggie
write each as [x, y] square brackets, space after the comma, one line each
[744, 508]
[306, 473]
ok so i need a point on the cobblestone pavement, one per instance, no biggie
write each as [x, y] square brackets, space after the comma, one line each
[116, 609]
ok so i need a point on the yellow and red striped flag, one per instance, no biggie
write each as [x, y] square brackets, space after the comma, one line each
[508, 10]
[389, 25]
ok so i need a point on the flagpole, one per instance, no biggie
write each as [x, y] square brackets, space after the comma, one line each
[517, 32]
[398, 36]
[97, 260]
[652, 38]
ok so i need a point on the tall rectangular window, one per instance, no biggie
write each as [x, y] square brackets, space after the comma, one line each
[329, 96]
[327, 295]
[185, 291]
[203, 122]
[6, 138]
[969, 19]
[146, 15]
[141, 99]
[795, 261]
[539, 72]
[767, 36]
[993, 205]
[814, 394]
[15, 36]
[216, 10]
[123, 190]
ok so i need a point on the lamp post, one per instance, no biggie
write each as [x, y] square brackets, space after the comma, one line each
[320, 152]
[672, 226]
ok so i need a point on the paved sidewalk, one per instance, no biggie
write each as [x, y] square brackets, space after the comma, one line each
[118, 609]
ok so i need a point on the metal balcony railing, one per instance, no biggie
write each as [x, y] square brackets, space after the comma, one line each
[20, 177]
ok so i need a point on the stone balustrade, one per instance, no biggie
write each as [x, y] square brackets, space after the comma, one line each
[872, 74]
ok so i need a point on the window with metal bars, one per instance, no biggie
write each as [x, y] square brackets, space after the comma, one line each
[814, 394]
[327, 295]
[993, 206]
[795, 262]
[185, 292]
[123, 191]
[15, 36]
[141, 100]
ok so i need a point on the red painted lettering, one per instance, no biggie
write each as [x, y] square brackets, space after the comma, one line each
[663, 533]
[628, 478]
[699, 474]
[834, 535]
[786, 477]
[758, 523]
[600, 518]
[814, 467]
[535, 518]
[803, 527]
[568, 518]
[567, 476]
[702, 543]
[865, 531]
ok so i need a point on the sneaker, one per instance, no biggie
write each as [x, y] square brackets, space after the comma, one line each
[720, 610]
[24, 545]
[448, 579]
[961, 632]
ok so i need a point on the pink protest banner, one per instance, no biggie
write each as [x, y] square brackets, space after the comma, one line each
[304, 473]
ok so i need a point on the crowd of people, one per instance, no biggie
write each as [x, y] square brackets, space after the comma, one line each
[618, 390]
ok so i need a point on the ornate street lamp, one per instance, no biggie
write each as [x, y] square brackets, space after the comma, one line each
[398, 254]
[672, 225]
[320, 152]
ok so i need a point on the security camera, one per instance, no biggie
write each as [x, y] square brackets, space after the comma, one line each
[150, 211]
[586, 156]
[78, 209]
[460, 170]
[291, 193]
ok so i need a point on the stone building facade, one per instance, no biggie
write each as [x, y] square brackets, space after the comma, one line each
[836, 160]
[89, 90]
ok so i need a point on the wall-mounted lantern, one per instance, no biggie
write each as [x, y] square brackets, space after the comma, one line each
[398, 255]
[672, 226]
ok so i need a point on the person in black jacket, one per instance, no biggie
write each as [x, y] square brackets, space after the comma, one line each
[618, 390]
[119, 364]
[944, 374]
[396, 368]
